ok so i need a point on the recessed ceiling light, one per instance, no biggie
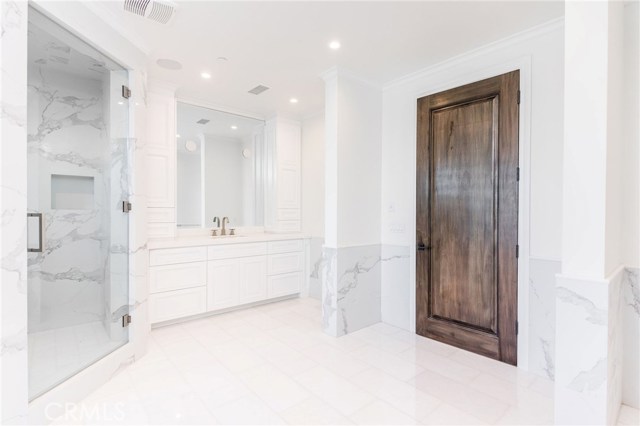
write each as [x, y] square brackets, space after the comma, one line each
[205, 75]
[293, 100]
[120, 103]
[222, 59]
[169, 64]
[335, 45]
[234, 127]
[178, 135]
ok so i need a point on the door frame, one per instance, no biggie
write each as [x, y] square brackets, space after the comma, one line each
[451, 81]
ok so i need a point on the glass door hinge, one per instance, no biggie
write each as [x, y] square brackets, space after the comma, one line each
[126, 92]
[126, 206]
[126, 320]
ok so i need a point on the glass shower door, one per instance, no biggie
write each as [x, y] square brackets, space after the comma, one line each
[78, 186]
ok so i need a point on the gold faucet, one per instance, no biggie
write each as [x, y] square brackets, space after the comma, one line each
[224, 230]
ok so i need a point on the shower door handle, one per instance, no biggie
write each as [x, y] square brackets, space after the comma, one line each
[39, 217]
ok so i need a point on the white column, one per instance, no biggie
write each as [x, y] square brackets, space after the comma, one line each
[588, 342]
[351, 275]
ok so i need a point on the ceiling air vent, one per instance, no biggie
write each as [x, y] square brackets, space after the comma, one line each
[258, 89]
[157, 10]
[203, 121]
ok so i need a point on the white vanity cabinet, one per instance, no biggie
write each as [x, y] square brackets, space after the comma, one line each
[177, 283]
[236, 275]
[188, 281]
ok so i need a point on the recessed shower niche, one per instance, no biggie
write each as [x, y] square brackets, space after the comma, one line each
[72, 192]
[77, 179]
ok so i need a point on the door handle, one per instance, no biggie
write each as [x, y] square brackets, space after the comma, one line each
[423, 247]
[39, 248]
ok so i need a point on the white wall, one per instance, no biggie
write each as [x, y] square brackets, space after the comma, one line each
[614, 243]
[539, 54]
[313, 176]
[631, 150]
[352, 163]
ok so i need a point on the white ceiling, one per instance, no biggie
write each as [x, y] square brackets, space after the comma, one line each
[283, 45]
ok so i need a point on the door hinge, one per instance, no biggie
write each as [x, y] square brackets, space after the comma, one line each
[518, 97]
[517, 251]
[126, 207]
[126, 320]
[518, 174]
[126, 92]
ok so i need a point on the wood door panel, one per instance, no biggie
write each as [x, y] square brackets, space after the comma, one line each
[466, 216]
[462, 212]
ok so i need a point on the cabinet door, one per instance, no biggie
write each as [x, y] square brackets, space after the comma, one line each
[161, 150]
[253, 279]
[223, 279]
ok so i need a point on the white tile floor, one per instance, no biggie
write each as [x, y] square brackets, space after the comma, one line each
[57, 354]
[273, 365]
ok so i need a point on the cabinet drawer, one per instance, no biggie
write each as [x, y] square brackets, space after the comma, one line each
[228, 251]
[285, 262]
[284, 284]
[178, 276]
[286, 246]
[177, 255]
[177, 304]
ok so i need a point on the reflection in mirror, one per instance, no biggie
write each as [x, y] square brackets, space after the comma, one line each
[220, 164]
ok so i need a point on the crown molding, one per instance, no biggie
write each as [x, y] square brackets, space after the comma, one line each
[533, 32]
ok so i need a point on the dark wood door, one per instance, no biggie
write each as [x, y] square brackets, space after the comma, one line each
[467, 217]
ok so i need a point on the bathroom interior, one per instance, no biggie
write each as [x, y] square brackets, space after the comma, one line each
[236, 236]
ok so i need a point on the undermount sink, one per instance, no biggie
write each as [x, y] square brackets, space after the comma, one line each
[218, 237]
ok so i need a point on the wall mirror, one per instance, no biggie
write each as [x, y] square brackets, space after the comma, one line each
[220, 166]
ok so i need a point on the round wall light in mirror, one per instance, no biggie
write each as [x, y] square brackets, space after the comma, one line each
[246, 153]
[190, 146]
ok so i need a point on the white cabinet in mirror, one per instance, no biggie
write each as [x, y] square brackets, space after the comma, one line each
[220, 168]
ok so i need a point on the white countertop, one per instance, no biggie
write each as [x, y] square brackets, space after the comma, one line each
[200, 240]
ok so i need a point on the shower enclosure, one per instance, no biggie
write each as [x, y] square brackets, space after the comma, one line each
[78, 186]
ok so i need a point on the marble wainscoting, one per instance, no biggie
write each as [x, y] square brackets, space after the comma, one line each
[13, 189]
[395, 288]
[588, 350]
[315, 270]
[542, 316]
[351, 287]
[631, 337]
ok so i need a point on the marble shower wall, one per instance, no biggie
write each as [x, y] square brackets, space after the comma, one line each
[13, 190]
[351, 289]
[631, 337]
[68, 135]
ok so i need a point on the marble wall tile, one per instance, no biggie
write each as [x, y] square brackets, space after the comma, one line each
[587, 336]
[542, 316]
[395, 271]
[13, 190]
[630, 311]
[315, 270]
[351, 285]
[614, 347]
